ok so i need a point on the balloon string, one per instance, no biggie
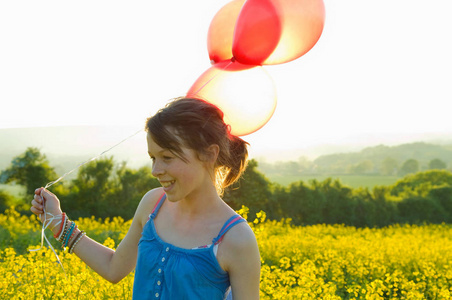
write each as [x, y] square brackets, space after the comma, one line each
[46, 223]
[213, 77]
[91, 159]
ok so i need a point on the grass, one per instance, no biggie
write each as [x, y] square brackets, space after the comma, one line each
[354, 181]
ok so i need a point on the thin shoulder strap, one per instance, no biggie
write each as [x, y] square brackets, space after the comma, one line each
[158, 205]
[231, 222]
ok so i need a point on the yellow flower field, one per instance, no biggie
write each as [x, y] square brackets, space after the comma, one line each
[312, 262]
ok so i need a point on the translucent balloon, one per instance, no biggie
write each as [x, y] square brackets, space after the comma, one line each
[221, 31]
[265, 32]
[246, 94]
[302, 24]
[257, 32]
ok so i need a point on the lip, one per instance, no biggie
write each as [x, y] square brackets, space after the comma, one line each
[167, 184]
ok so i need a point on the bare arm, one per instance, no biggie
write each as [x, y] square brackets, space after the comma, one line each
[111, 265]
[242, 261]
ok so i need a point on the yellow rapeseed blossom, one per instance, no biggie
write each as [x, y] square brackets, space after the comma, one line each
[312, 262]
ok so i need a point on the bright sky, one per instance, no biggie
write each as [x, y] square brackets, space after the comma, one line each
[381, 67]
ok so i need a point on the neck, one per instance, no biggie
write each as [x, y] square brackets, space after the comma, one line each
[198, 204]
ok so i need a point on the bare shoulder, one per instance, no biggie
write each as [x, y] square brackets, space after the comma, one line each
[241, 235]
[240, 258]
[147, 204]
[238, 244]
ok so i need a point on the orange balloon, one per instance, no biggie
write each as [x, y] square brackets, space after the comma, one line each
[302, 26]
[246, 94]
[221, 31]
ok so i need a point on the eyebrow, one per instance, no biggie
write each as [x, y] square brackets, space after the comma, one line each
[159, 152]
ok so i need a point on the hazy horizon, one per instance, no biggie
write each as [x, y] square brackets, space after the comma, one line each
[89, 141]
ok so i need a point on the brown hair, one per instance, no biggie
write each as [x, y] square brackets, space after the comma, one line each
[199, 124]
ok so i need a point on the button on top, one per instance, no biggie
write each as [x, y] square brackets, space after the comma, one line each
[163, 259]
[167, 249]
[160, 270]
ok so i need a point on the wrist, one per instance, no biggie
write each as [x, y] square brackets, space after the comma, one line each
[68, 233]
[57, 226]
[51, 221]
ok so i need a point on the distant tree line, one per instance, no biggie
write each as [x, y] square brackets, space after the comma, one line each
[380, 160]
[417, 198]
[105, 189]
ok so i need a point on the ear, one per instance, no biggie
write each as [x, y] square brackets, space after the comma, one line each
[212, 153]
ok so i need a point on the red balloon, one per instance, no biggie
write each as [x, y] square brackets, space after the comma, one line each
[246, 94]
[257, 32]
[265, 32]
[221, 31]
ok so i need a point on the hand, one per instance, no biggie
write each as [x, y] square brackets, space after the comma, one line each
[51, 203]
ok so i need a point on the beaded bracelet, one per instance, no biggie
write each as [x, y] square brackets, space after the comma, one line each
[71, 237]
[66, 221]
[65, 231]
[77, 239]
[71, 241]
[68, 235]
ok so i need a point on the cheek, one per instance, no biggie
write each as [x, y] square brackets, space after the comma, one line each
[190, 175]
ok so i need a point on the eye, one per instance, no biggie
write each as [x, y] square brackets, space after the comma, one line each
[167, 158]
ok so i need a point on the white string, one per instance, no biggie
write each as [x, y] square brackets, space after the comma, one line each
[46, 223]
[43, 236]
[213, 77]
[90, 160]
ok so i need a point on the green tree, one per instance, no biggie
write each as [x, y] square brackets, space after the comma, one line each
[409, 166]
[421, 183]
[437, 164]
[365, 208]
[253, 190]
[30, 169]
[103, 189]
[363, 167]
[89, 193]
[385, 210]
[5, 200]
[339, 204]
[303, 204]
[389, 166]
[129, 188]
[417, 210]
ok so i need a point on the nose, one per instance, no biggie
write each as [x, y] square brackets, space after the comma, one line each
[157, 169]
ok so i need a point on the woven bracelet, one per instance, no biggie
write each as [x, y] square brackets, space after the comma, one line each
[79, 237]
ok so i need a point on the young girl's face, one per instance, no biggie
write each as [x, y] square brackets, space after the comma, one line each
[179, 178]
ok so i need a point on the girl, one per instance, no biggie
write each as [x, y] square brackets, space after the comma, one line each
[184, 242]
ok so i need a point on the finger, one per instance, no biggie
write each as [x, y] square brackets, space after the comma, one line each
[37, 198]
[36, 204]
[36, 211]
[47, 194]
[38, 191]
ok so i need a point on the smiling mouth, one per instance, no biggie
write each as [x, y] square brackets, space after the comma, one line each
[167, 183]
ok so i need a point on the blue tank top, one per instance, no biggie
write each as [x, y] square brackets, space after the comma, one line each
[164, 271]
